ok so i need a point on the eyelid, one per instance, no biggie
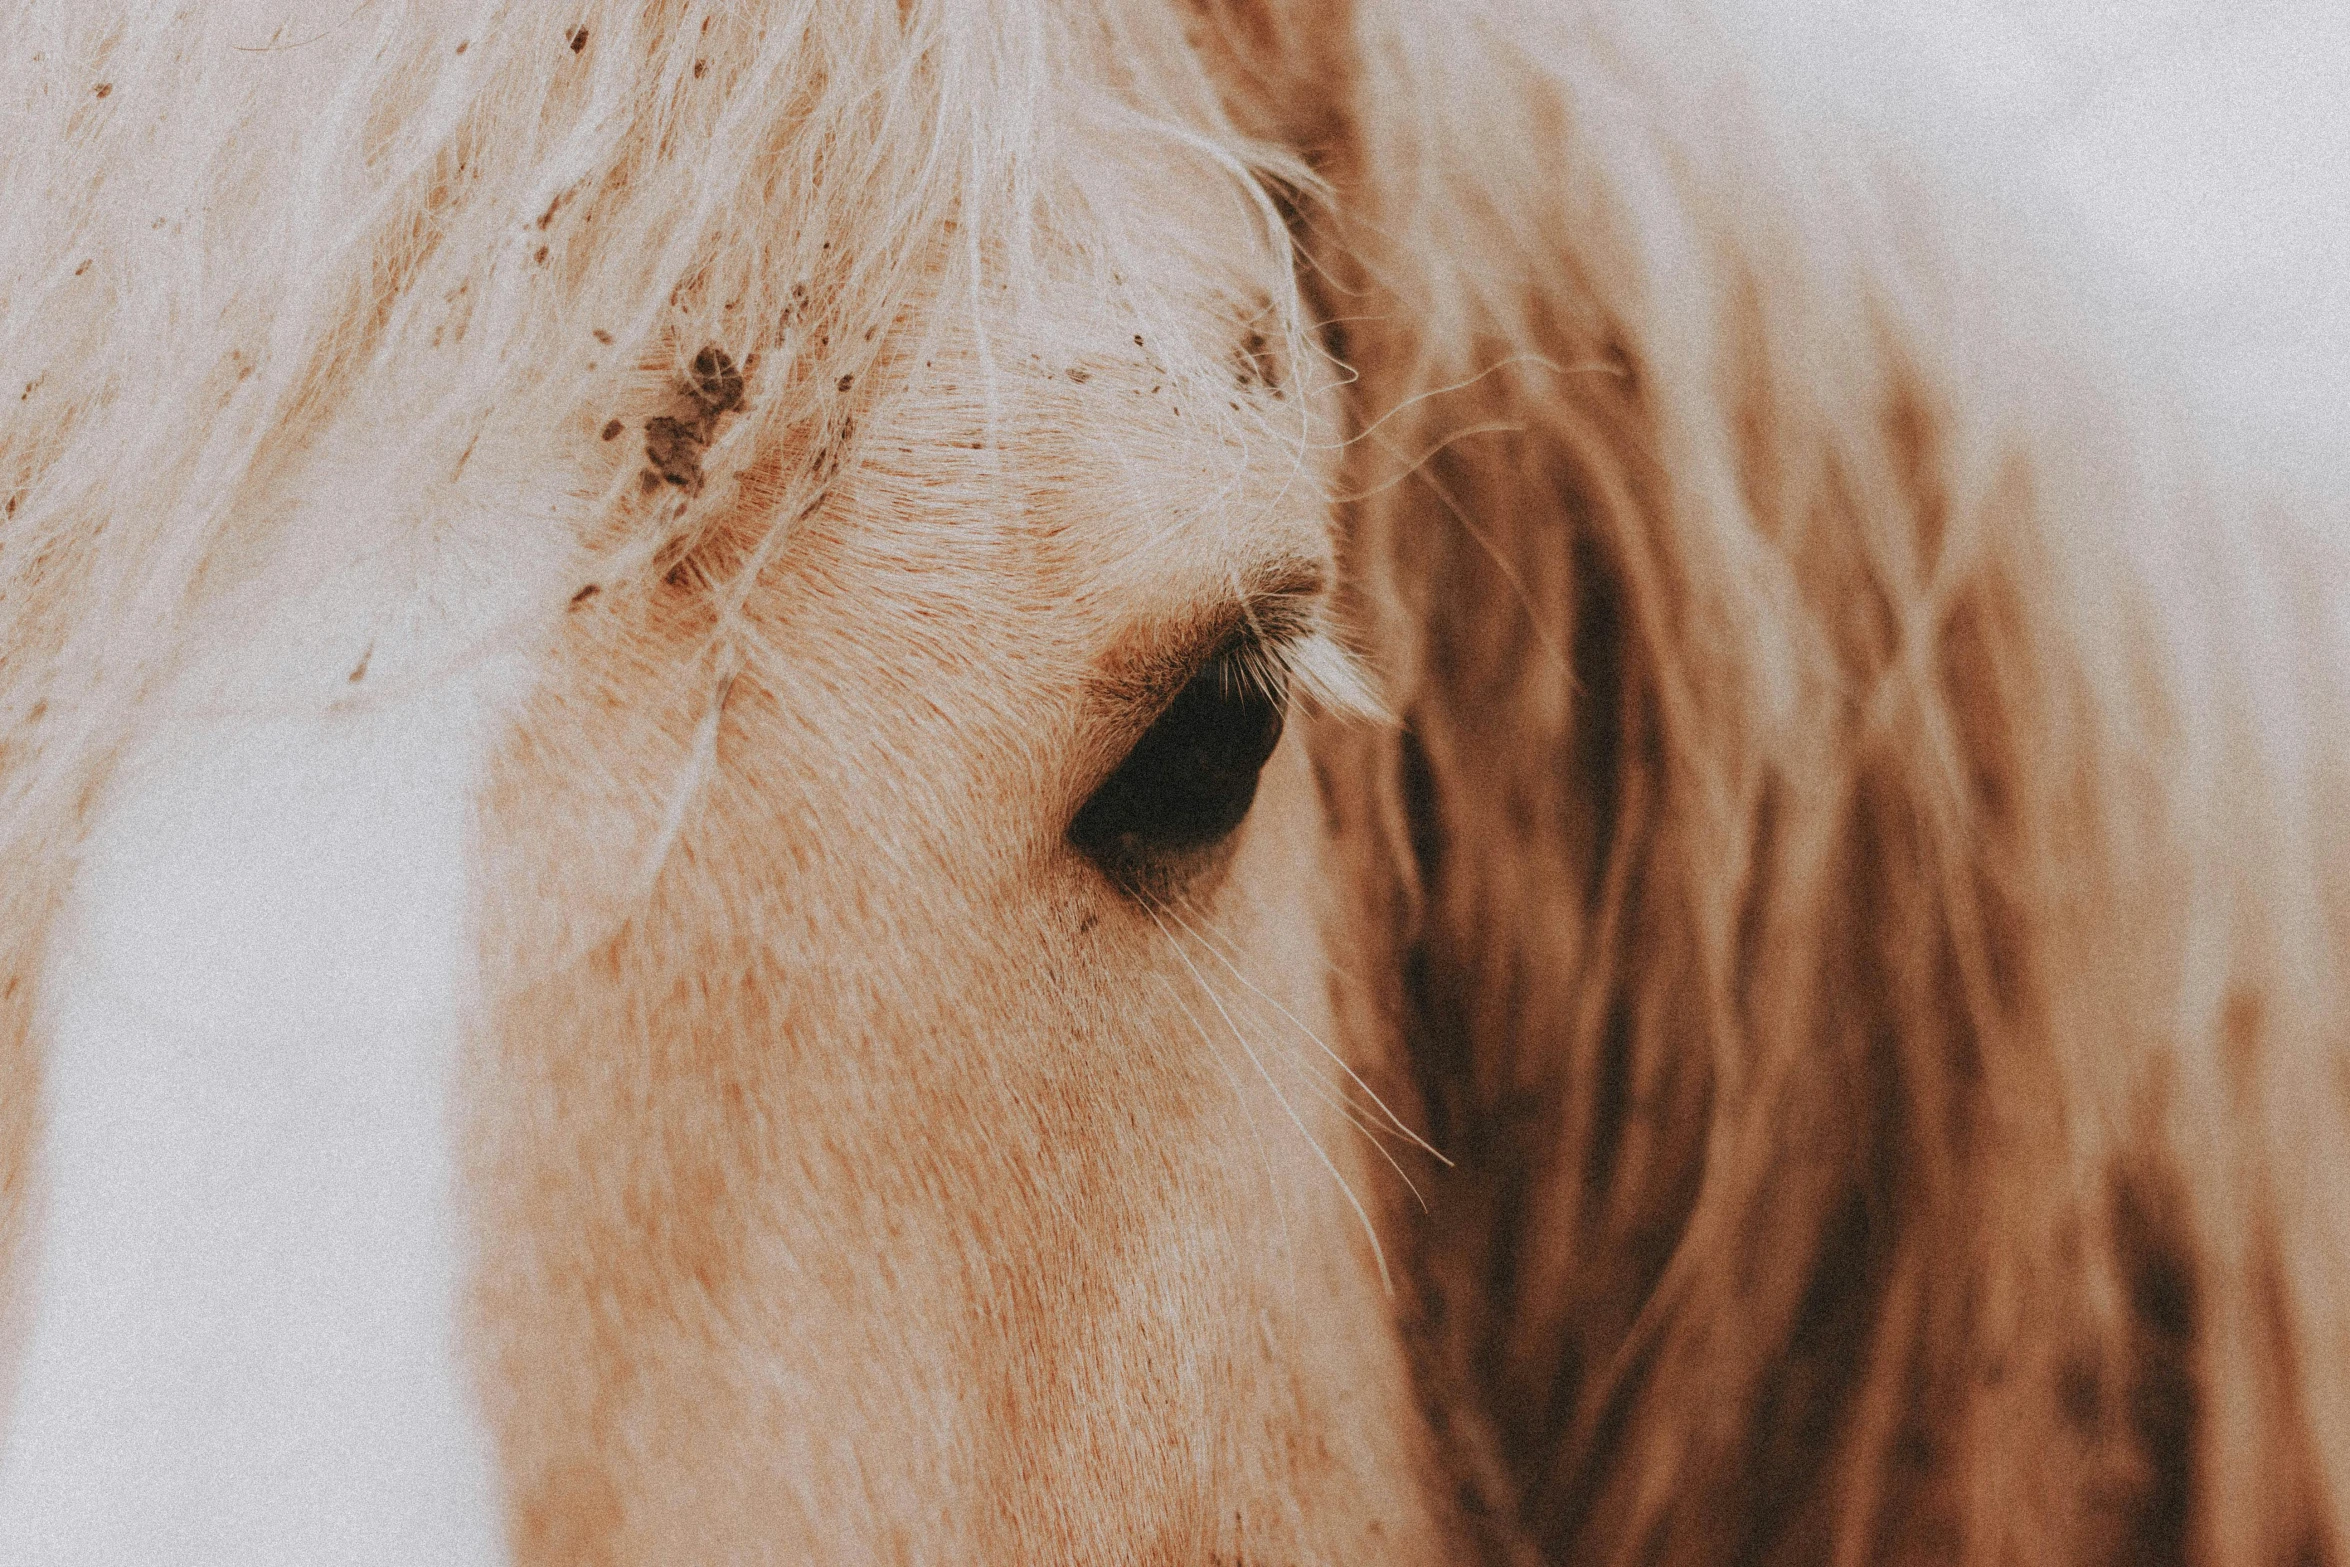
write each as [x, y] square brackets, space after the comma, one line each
[1279, 617]
[1287, 631]
[1284, 635]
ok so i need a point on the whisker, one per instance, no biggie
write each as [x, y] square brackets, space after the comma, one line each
[1393, 1120]
[701, 764]
[1537, 625]
[1406, 470]
[1370, 1231]
[1354, 1116]
[1264, 1162]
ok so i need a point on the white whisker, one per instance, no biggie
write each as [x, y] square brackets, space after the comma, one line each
[1264, 1161]
[1370, 1231]
[1354, 1117]
[1206, 939]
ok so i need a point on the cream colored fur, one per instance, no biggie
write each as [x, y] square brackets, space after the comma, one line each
[1851, 890]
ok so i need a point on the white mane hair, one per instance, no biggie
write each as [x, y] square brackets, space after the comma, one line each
[1873, 686]
[244, 224]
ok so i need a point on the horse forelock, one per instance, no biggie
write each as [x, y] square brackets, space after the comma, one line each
[465, 225]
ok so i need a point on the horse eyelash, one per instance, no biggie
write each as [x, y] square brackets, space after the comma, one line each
[1312, 664]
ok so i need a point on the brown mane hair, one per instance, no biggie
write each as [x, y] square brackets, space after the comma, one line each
[1865, 933]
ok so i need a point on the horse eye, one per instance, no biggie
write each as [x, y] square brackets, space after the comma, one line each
[1189, 780]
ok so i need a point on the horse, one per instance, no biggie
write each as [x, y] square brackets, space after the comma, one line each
[1174, 781]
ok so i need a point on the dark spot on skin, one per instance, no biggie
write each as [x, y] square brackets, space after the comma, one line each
[584, 594]
[1253, 365]
[359, 672]
[84, 267]
[1079, 376]
[845, 382]
[548, 216]
[715, 381]
[701, 69]
[578, 38]
[463, 45]
[1138, 339]
[611, 429]
[603, 336]
[103, 88]
[674, 443]
[542, 254]
[673, 449]
[649, 481]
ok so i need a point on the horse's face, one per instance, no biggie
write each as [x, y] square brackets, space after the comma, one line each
[949, 1147]
[692, 871]
[879, 1089]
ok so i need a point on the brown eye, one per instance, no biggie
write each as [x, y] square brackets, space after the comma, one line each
[1189, 780]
